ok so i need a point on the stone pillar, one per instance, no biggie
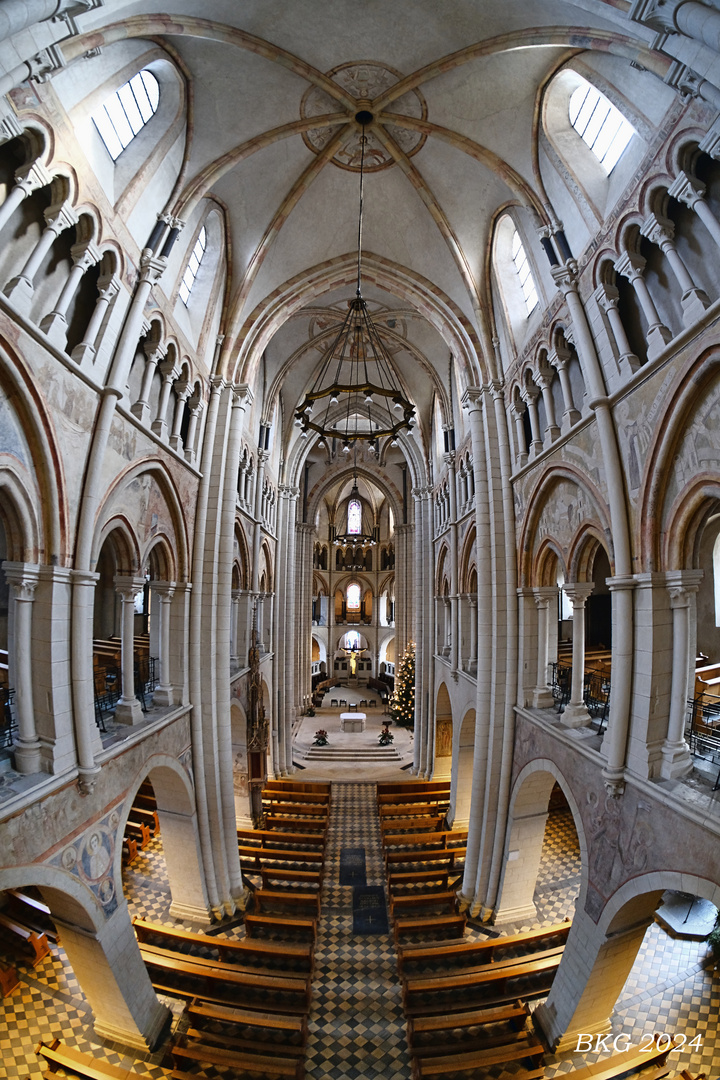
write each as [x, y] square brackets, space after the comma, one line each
[20, 289]
[530, 396]
[544, 599]
[54, 324]
[23, 579]
[517, 414]
[559, 359]
[661, 231]
[169, 373]
[630, 265]
[691, 192]
[154, 352]
[472, 659]
[608, 297]
[114, 979]
[576, 714]
[195, 405]
[682, 586]
[108, 289]
[87, 736]
[234, 637]
[28, 179]
[552, 431]
[182, 389]
[128, 710]
[164, 693]
[180, 840]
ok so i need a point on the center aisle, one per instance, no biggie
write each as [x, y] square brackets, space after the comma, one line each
[357, 1026]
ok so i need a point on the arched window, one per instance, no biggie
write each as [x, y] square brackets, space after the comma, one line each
[352, 639]
[524, 273]
[127, 111]
[600, 125]
[191, 270]
[354, 517]
[353, 597]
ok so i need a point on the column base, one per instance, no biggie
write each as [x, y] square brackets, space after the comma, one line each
[28, 758]
[138, 1040]
[570, 417]
[190, 912]
[523, 913]
[128, 712]
[82, 352]
[176, 442]
[676, 761]
[575, 716]
[20, 291]
[561, 1042]
[163, 695]
[657, 338]
[140, 409]
[56, 327]
[628, 363]
[464, 903]
[694, 304]
[542, 698]
[159, 427]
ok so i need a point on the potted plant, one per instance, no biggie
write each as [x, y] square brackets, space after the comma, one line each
[385, 736]
[321, 738]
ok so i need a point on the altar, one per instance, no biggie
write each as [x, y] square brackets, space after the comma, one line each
[352, 721]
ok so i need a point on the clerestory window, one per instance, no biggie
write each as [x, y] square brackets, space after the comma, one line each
[600, 125]
[191, 270]
[524, 273]
[127, 111]
[352, 597]
[354, 517]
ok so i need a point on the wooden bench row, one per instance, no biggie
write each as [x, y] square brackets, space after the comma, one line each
[298, 957]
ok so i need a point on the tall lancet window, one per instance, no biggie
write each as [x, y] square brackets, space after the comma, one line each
[352, 597]
[354, 517]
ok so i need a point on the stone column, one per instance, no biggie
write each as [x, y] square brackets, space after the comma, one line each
[23, 579]
[54, 324]
[661, 231]
[128, 710]
[608, 297]
[630, 265]
[691, 192]
[196, 406]
[169, 373]
[576, 714]
[114, 979]
[108, 289]
[234, 637]
[154, 352]
[530, 396]
[544, 597]
[20, 289]
[472, 659]
[28, 179]
[559, 359]
[164, 693]
[454, 613]
[517, 414]
[182, 389]
[682, 586]
[552, 431]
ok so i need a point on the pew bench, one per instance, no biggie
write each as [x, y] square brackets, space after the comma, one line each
[469, 990]
[262, 855]
[129, 850]
[462, 953]
[32, 913]
[445, 898]
[410, 798]
[149, 817]
[516, 1014]
[24, 939]
[406, 857]
[289, 839]
[287, 1024]
[280, 924]
[239, 1042]
[266, 900]
[444, 838]
[393, 788]
[263, 952]
[283, 804]
[527, 1048]
[70, 1060]
[412, 824]
[420, 809]
[468, 975]
[139, 831]
[302, 877]
[439, 925]
[405, 879]
[255, 1064]
[278, 823]
[8, 979]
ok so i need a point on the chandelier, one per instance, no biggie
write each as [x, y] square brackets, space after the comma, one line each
[355, 396]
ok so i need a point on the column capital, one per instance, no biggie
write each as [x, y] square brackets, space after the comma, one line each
[657, 14]
[565, 277]
[60, 217]
[242, 396]
[23, 577]
[85, 254]
[168, 369]
[681, 584]
[607, 296]
[544, 593]
[166, 589]
[658, 230]
[471, 398]
[630, 265]
[32, 177]
[128, 586]
[687, 189]
[577, 592]
[108, 286]
[151, 267]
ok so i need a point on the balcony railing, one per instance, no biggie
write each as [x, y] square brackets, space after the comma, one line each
[702, 730]
[596, 691]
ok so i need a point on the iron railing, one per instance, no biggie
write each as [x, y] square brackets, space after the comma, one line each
[596, 690]
[702, 730]
[8, 724]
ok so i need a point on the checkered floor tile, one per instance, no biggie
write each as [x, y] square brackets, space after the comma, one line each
[356, 1023]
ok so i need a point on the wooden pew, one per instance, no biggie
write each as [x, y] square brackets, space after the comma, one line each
[24, 939]
[629, 1062]
[306, 809]
[292, 925]
[255, 1064]
[73, 1061]
[514, 1014]
[263, 952]
[466, 990]
[236, 985]
[280, 824]
[32, 913]
[8, 979]
[408, 786]
[302, 877]
[267, 900]
[408, 857]
[419, 809]
[129, 850]
[289, 839]
[443, 899]
[443, 838]
[210, 1037]
[262, 855]
[405, 879]
[410, 797]
[439, 925]
[288, 1025]
[148, 817]
[139, 831]
[480, 952]
[412, 824]
[445, 1065]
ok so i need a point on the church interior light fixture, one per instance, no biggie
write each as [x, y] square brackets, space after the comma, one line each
[356, 533]
[356, 396]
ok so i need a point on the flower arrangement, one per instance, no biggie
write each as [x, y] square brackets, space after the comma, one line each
[321, 738]
[385, 736]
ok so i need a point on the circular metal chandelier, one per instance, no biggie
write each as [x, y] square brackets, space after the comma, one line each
[355, 395]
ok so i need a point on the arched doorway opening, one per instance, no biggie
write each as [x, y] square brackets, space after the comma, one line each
[443, 735]
[461, 791]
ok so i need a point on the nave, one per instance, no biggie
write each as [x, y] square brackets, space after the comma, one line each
[356, 1025]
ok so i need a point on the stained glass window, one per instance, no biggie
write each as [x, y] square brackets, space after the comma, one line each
[354, 517]
[353, 597]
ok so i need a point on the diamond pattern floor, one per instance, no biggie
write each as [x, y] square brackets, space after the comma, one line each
[356, 1024]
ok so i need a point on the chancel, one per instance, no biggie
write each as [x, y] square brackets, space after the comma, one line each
[359, 530]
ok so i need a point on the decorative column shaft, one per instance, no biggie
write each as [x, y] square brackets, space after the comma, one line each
[127, 710]
[195, 405]
[154, 353]
[542, 695]
[661, 231]
[530, 398]
[23, 579]
[682, 586]
[630, 265]
[552, 430]
[559, 360]
[108, 289]
[522, 454]
[28, 179]
[182, 390]
[20, 289]
[576, 714]
[608, 297]
[54, 324]
[164, 692]
[691, 192]
[169, 373]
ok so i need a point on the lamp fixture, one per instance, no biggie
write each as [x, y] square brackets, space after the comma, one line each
[355, 394]
[360, 537]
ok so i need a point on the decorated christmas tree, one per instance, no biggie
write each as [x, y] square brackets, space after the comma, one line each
[402, 700]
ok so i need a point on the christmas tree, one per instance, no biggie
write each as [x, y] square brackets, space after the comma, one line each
[402, 700]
